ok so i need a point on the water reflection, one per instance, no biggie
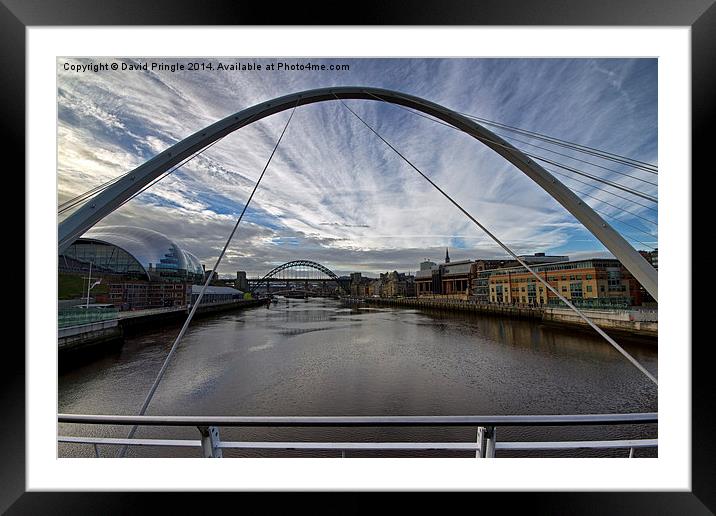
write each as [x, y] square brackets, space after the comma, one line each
[318, 357]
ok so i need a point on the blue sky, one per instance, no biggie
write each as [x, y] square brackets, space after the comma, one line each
[337, 195]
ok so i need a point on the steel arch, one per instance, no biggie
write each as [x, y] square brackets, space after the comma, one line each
[110, 199]
[298, 263]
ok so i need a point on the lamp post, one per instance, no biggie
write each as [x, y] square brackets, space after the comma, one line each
[91, 285]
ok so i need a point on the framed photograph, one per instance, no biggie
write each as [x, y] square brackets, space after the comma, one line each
[358, 258]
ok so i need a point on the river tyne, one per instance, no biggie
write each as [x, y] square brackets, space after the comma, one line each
[319, 357]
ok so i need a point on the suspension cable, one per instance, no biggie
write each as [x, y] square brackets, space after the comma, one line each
[511, 253]
[70, 203]
[570, 178]
[196, 303]
[647, 167]
[624, 210]
[549, 150]
[610, 156]
[574, 158]
[613, 184]
[432, 119]
[617, 220]
[537, 157]
[483, 139]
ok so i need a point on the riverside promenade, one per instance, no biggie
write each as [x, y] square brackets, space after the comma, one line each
[111, 327]
[634, 322]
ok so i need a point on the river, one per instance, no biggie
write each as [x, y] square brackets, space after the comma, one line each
[320, 357]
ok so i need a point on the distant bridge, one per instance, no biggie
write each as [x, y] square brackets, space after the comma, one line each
[297, 271]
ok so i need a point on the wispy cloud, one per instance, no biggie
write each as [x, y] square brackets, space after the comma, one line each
[334, 192]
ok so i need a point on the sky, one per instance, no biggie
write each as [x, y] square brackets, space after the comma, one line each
[333, 192]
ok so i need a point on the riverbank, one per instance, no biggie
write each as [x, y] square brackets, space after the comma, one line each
[111, 333]
[614, 322]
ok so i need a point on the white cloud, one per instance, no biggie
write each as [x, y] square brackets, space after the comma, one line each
[333, 187]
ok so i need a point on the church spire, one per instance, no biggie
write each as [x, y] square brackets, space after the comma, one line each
[447, 256]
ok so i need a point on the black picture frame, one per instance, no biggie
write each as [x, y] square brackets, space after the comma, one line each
[17, 15]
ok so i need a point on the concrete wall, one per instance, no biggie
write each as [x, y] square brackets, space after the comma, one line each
[634, 322]
[622, 320]
[76, 337]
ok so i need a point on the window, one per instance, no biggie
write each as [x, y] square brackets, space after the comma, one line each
[614, 280]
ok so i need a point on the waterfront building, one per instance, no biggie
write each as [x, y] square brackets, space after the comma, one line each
[359, 286]
[375, 287]
[653, 258]
[427, 280]
[241, 282]
[463, 279]
[449, 279]
[397, 284]
[127, 295]
[214, 294]
[596, 282]
[427, 265]
[536, 258]
[479, 283]
[138, 268]
[455, 278]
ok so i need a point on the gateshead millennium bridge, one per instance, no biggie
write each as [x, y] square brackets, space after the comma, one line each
[103, 201]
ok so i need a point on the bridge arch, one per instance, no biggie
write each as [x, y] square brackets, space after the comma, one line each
[110, 199]
[299, 263]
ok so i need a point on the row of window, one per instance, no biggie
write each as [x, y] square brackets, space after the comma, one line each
[572, 287]
[588, 264]
[577, 277]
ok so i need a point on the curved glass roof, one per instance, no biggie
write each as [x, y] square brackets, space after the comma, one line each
[193, 263]
[159, 255]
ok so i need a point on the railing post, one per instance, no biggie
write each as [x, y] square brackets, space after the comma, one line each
[481, 440]
[491, 432]
[486, 440]
[210, 442]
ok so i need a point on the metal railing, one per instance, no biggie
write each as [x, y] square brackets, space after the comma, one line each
[486, 443]
[79, 316]
[130, 314]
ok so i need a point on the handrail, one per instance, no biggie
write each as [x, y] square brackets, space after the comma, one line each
[510, 420]
[393, 445]
[484, 446]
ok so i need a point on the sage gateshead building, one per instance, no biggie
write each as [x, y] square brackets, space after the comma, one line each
[139, 268]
